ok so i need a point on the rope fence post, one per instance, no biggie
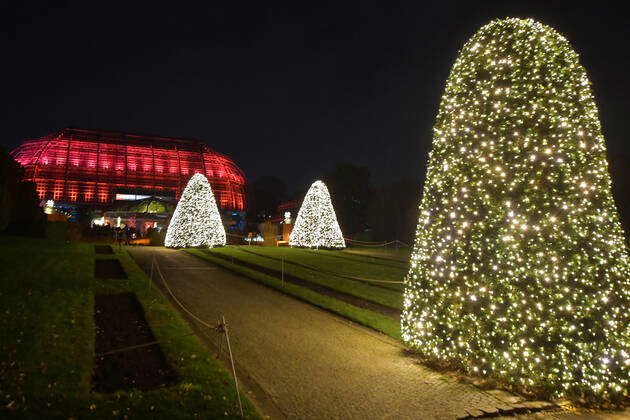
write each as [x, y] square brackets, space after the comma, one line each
[220, 330]
[224, 329]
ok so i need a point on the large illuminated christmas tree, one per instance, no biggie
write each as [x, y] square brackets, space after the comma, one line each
[520, 268]
[316, 223]
[196, 221]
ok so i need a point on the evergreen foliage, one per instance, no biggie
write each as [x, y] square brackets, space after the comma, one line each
[520, 268]
[20, 212]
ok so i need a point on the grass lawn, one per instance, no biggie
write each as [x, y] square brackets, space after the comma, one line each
[377, 321]
[401, 254]
[349, 253]
[318, 268]
[371, 270]
[47, 348]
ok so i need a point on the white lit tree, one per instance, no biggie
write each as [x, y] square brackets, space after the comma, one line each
[316, 223]
[196, 221]
[520, 269]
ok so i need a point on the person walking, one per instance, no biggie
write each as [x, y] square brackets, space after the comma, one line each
[119, 238]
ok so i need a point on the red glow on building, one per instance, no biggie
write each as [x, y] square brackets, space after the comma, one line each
[90, 167]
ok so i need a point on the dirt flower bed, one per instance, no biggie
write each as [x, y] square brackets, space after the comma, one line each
[109, 269]
[103, 249]
[120, 323]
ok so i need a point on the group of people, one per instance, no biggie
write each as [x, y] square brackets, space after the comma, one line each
[120, 235]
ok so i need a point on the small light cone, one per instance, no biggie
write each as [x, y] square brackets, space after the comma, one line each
[316, 224]
[196, 221]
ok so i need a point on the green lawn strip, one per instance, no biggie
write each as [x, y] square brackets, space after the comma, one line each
[47, 348]
[395, 265]
[401, 255]
[364, 317]
[390, 298]
[358, 267]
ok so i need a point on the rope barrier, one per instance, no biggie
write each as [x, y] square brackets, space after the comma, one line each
[195, 317]
[366, 258]
[154, 263]
[221, 328]
[224, 330]
[364, 279]
[369, 243]
[137, 346]
[354, 241]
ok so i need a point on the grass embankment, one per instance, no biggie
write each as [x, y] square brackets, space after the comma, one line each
[318, 269]
[400, 255]
[47, 349]
[267, 258]
[362, 268]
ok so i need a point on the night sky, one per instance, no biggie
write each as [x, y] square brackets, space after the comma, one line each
[285, 91]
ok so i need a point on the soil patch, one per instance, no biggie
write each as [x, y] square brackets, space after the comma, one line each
[103, 249]
[322, 290]
[109, 269]
[120, 323]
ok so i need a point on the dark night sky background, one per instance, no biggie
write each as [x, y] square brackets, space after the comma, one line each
[285, 91]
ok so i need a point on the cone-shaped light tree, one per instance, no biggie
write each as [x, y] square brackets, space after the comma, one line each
[520, 268]
[196, 221]
[316, 223]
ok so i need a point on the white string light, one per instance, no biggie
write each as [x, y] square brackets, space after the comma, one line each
[196, 221]
[316, 224]
[520, 269]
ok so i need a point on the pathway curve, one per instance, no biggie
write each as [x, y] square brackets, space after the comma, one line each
[307, 363]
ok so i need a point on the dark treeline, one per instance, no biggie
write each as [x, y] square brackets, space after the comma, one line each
[364, 211]
[20, 213]
[373, 213]
[264, 195]
[351, 193]
[393, 211]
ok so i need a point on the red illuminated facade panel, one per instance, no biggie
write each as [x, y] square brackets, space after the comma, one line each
[90, 167]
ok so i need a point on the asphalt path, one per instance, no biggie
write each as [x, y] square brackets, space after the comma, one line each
[297, 361]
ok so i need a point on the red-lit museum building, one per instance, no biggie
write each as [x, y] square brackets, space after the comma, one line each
[90, 167]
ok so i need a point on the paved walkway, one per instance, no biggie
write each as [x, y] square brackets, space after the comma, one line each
[302, 362]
